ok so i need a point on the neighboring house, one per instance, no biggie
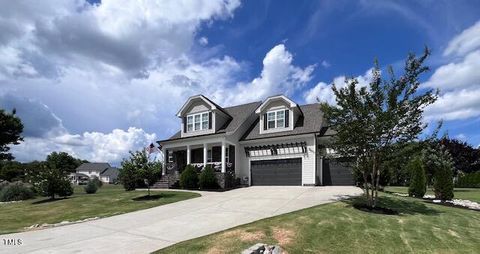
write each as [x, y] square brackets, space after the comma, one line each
[102, 171]
[274, 142]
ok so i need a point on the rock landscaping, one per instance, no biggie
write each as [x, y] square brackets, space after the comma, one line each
[261, 248]
[454, 202]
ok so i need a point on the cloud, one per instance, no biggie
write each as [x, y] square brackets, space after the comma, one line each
[457, 74]
[278, 75]
[458, 79]
[322, 92]
[93, 146]
[454, 105]
[129, 36]
[38, 120]
[466, 41]
[325, 64]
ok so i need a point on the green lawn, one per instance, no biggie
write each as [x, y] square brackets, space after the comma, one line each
[472, 194]
[339, 228]
[109, 200]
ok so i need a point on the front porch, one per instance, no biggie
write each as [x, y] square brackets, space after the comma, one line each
[220, 155]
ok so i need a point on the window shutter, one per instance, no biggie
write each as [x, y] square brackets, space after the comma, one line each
[210, 119]
[287, 118]
[265, 121]
[184, 125]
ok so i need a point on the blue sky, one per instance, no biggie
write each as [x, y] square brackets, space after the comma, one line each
[97, 79]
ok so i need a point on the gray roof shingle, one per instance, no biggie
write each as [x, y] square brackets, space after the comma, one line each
[94, 166]
[111, 172]
[239, 115]
[311, 122]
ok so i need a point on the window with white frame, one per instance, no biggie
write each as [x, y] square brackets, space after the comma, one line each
[170, 156]
[276, 119]
[196, 122]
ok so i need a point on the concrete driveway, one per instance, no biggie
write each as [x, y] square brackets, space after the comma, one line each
[155, 228]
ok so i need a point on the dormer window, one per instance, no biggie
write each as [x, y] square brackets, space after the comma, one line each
[277, 119]
[196, 122]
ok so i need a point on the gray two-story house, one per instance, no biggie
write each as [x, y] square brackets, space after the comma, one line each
[274, 142]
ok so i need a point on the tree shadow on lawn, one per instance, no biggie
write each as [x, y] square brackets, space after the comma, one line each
[153, 197]
[49, 200]
[402, 206]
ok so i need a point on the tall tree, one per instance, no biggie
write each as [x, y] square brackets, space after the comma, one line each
[11, 128]
[368, 120]
[465, 158]
[63, 161]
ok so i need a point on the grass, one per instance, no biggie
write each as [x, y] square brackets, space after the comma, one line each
[472, 194]
[339, 228]
[109, 200]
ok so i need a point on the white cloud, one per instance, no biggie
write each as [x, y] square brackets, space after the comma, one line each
[465, 42]
[325, 64]
[121, 64]
[322, 92]
[458, 104]
[458, 80]
[460, 74]
[93, 146]
[203, 41]
[278, 75]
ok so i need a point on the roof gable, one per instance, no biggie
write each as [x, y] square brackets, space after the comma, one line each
[93, 166]
[270, 99]
[206, 100]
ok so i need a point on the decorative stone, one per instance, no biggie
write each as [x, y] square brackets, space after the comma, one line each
[261, 248]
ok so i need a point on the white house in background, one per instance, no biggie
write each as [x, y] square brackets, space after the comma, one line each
[274, 142]
[102, 171]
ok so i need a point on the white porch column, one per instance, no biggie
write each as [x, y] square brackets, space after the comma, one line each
[205, 151]
[165, 158]
[223, 157]
[188, 155]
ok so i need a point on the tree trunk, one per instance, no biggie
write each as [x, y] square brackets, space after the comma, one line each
[373, 179]
[365, 187]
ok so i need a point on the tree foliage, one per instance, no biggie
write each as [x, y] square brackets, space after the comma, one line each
[137, 167]
[368, 120]
[50, 181]
[189, 178]
[63, 161]
[466, 159]
[418, 180]
[207, 179]
[11, 128]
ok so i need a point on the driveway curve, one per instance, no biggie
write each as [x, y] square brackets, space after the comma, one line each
[155, 228]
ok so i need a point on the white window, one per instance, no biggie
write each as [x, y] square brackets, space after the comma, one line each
[205, 121]
[196, 122]
[276, 119]
[170, 156]
[189, 123]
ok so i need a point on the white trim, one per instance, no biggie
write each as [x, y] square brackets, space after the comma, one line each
[185, 106]
[283, 97]
[200, 122]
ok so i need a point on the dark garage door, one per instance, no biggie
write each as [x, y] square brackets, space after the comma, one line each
[277, 172]
[336, 172]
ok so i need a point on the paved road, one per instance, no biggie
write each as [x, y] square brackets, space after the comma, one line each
[151, 229]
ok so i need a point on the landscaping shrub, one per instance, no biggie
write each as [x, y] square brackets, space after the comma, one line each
[207, 179]
[128, 176]
[189, 178]
[3, 184]
[65, 188]
[97, 182]
[91, 187]
[16, 191]
[418, 180]
[471, 180]
[443, 183]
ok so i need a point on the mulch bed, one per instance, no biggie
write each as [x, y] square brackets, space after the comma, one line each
[377, 210]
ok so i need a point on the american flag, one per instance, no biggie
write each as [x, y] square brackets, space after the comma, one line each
[151, 149]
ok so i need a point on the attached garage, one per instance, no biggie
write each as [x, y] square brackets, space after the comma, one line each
[276, 172]
[337, 172]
